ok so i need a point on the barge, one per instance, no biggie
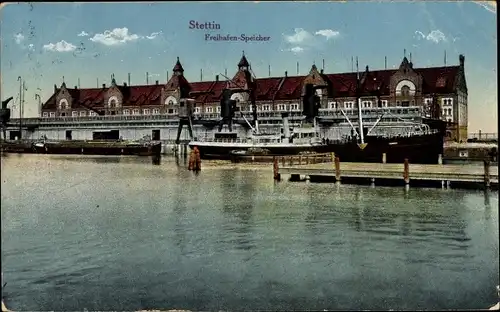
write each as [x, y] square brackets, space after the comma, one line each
[98, 148]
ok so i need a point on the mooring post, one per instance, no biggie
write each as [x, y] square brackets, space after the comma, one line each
[384, 158]
[440, 159]
[337, 169]
[406, 172]
[487, 173]
[276, 170]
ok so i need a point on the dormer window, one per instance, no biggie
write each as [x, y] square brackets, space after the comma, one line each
[112, 104]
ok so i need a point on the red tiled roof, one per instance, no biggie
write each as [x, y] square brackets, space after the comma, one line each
[435, 80]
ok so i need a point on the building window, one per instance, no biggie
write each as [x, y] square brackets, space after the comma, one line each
[126, 112]
[175, 111]
[398, 103]
[74, 114]
[349, 105]
[45, 114]
[82, 114]
[405, 91]
[170, 102]
[449, 111]
[146, 111]
[385, 103]
[135, 112]
[266, 108]
[197, 110]
[209, 109]
[447, 102]
[112, 103]
[218, 109]
[156, 111]
[52, 114]
[63, 104]
[332, 105]
[366, 104]
[294, 107]
[281, 107]
[92, 113]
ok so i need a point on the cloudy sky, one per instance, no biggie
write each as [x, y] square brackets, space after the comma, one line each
[44, 42]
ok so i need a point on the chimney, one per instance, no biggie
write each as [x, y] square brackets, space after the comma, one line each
[76, 87]
[366, 68]
[286, 74]
[124, 84]
[129, 79]
[104, 86]
[216, 77]
[461, 58]
[55, 88]
[157, 82]
[321, 71]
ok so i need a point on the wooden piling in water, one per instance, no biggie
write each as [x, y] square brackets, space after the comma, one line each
[406, 172]
[487, 173]
[337, 169]
[194, 160]
[276, 169]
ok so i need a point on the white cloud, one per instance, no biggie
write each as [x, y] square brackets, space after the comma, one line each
[327, 33]
[297, 49]
[83, 34]
[154, 35]
[435, 36]
[19, 38]
[302, 40]
[300, 36]
[490, 6]
[61, 46]
[114, 37]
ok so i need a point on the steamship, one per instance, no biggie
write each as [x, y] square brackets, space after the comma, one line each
[422, 142]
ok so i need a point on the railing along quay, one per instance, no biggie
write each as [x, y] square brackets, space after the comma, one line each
[451, 175]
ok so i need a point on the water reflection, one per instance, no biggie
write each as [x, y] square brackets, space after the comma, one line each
[156, 160]
[237, 204]
[227, 239]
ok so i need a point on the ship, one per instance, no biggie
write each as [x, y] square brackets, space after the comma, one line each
[98, 147]
[422, 142]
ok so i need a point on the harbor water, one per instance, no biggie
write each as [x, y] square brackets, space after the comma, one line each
[119, 233]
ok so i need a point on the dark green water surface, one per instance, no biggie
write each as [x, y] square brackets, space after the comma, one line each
[103, 233]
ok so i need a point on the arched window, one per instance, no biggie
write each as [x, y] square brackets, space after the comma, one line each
[112, 103]
[170, 102]
[405, 91]
[63, 104]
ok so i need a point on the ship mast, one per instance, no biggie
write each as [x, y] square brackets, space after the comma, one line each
[358, 100]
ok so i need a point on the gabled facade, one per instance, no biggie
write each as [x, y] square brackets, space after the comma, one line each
[403, 87]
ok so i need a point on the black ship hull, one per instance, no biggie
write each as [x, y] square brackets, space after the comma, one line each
[419, 149]
[94, 148]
